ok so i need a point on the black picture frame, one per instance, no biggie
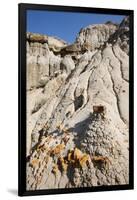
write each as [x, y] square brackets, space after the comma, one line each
[22, 8]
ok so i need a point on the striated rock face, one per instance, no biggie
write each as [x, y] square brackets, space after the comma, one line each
[41, 61]
[96, 35]
[121, 36]
[77, 108]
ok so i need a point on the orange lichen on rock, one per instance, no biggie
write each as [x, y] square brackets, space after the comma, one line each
[55, 169]
[84, 159]
[102, 160]
[70, 156]
[57, 149]
[78, 158]
[77, 154]
[34, 162]
[63, 164]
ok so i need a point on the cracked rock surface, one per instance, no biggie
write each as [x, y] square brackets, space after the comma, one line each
[77, 108]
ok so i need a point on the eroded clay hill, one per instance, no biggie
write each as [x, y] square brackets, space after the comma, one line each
[77, 108]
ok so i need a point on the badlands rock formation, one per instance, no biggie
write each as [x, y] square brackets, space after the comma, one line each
[77, 108]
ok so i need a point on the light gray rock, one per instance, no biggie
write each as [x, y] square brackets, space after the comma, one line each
[96, 35]
[67, 64]
[77, 108]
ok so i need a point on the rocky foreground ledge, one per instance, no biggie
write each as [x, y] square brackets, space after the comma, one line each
[77, 108]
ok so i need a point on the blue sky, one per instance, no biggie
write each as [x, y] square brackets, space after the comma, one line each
[64, 25]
